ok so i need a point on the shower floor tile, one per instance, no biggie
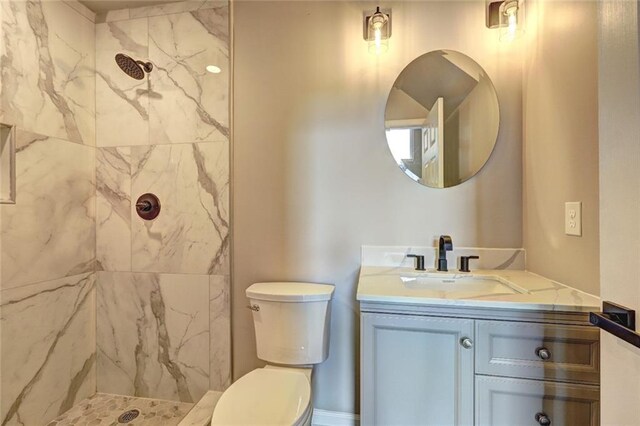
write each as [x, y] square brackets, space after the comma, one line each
[104, 409]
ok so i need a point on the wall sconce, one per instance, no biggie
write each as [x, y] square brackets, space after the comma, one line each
[507, 16]
[377, 30]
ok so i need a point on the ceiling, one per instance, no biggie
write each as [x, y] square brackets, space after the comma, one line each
[99, 6]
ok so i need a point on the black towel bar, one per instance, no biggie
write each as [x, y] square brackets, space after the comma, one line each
[617, 320]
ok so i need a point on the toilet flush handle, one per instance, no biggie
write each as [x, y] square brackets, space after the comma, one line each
[255, 308]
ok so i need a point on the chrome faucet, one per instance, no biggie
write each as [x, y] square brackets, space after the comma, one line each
[444, 245]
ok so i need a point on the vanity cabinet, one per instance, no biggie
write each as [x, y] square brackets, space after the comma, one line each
[474, 369]
[416, 371]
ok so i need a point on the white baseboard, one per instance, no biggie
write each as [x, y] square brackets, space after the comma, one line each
[334, 418]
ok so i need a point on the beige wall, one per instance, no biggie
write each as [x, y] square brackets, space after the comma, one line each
[313, 178]
[619, 104]
[561, 140]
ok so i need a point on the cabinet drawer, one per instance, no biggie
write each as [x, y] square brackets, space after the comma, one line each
[513, 402]
[538, 351]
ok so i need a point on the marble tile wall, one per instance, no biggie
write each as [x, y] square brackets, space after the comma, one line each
[47, 239]
[122, 103]
[180, 102]
[162, 335]
[48, 348]
[48, 62]
[113, 208]
[50, 232]
[191, 233]
[219, 331]
[153, 335]
[90, 141]
[189, 103]
[490, 258]
[163, 285]
[167, 134]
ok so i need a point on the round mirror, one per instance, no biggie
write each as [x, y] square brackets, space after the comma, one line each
[442, 119]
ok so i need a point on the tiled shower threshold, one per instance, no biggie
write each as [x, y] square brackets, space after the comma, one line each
[104, 409]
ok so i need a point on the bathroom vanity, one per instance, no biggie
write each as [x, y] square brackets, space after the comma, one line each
[491, 347]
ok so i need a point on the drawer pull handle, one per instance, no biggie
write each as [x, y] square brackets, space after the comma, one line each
[543, 353]
[466, 343]
[543, 419]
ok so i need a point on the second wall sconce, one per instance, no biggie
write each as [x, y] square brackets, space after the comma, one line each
[377, 30]
[507, 16]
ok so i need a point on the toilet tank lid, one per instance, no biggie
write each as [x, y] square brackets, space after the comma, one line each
[290, 291]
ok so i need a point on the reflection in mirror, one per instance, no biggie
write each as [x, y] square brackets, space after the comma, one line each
[442, 119]
[7, 164]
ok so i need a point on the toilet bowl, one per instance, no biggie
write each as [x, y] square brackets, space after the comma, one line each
[292, 334]
[266, 396]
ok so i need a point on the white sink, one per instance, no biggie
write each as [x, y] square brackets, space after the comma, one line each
[458, 286]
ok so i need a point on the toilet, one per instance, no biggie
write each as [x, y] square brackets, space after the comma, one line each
[291, 321]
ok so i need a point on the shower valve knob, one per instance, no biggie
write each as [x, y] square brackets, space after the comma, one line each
[148, 206]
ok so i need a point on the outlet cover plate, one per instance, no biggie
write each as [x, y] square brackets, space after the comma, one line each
[573, 218]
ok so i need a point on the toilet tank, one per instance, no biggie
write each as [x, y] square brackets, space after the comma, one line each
[291, 320]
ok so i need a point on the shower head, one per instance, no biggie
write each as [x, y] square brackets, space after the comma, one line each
[133, 68]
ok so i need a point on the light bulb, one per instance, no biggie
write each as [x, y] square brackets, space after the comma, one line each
[513, 22]
[377, 39]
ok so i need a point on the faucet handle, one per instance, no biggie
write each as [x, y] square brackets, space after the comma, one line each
[419, 261]
[464, 263]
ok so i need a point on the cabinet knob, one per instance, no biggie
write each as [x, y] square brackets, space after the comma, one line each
[543, 419]
[543, 353]
[466, 343]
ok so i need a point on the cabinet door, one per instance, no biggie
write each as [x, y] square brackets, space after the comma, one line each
[502, 401]
[415, 371]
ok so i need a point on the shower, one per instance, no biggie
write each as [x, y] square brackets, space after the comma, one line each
[133, 68]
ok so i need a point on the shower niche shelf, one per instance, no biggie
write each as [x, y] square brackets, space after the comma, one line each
[7, 164]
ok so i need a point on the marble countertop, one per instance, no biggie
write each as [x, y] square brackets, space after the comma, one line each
[523, 290]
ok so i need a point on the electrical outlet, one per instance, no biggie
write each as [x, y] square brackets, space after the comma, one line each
[573, 218]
